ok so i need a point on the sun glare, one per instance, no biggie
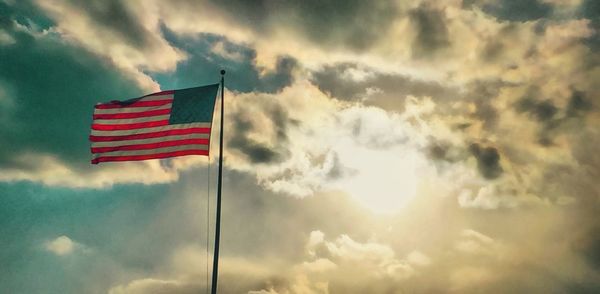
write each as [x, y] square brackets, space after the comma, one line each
[380, 180]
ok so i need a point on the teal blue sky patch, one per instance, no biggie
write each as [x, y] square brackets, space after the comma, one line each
[194, 104]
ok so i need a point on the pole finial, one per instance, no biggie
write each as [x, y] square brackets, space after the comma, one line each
[222, 72]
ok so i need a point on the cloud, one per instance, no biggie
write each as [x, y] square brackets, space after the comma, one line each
[257, 152]
[498, 195]
[208, 53]
[474, 242]
[551, 118]
[488, 161]
[431, 30]
[478, 115]
[118, 18]
[6, 39]
[369, 266]
[588, 244]
[37, 147]
[44, 54]
[61, 246]
[299, 142]
[50, 170]
[151, 286]
[514, 10]
[39, 143]
[183, 275]
[418, 259]
[353, 24]
[357, 82]
[354, 252]
[119, 32]
[470, 278]
[589, 9]
[542, 111]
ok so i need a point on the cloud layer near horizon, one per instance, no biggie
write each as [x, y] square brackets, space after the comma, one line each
[459, 139]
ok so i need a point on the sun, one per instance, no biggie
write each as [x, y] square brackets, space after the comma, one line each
[381, 180]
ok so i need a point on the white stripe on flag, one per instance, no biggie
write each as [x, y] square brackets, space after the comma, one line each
[131, 109]
[152, 151]
[119, 121]
[150, 130]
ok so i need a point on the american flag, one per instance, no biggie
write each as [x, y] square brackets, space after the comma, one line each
[160, 125]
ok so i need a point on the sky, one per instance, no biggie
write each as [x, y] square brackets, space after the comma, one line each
[382, 146]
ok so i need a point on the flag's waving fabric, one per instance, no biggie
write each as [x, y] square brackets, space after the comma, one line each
[159, 125]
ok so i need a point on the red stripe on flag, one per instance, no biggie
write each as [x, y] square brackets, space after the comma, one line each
[150, 145]
[134, 104]
[132, 126]
[132, 114]
[150, 135]
[148, 156]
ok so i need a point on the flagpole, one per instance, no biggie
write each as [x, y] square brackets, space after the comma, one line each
[215, 272]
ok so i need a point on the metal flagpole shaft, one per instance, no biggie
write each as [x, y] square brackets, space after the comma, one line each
[215, 272]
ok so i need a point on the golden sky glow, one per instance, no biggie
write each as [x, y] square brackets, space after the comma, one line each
[370, 147]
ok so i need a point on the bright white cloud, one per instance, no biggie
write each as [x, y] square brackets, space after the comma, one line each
[418, 258]
[76, 24]
[370, 153]
[371, 258]
[145, 286]
[348, 262]
[366, 152]
[51, 171]
[5, 38]
[473, 242]
[344, 262]
[61, 246]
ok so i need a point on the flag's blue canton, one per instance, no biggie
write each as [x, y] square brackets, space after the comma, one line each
[193, 105]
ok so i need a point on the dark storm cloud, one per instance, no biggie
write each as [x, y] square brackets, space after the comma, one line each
[482, 93]
[281, 121]
[488, 160]
[496, 45]
[204, 63]
[431, 30]
[542, 110]
[590, 9]
[256, 152]
[253, 150]
[437, 151]
[443, 151]
[23, 11]
[353, 24]
[388, 90]
[282, 76]
[578, 104]
[53, 88]
[513, 10]
[582, 183]
[116, 16]
[589, 246]
[492, 50]
[551, 118]
[478, 93]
